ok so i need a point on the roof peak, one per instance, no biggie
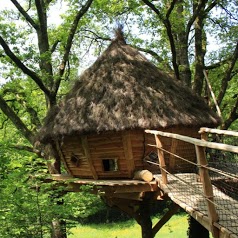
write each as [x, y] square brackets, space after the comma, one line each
[119, 34]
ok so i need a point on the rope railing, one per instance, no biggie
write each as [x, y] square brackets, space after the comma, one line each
[192, 187]
[205, 191]
[229, 175]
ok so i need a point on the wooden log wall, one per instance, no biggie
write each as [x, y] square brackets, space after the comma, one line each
[108, 145]
[72, 146]
[183, 149]
[127, 149]
[180, 148]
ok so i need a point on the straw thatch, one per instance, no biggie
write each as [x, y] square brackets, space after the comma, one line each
[123, 90]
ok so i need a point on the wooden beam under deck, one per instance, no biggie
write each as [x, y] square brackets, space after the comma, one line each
[128, 189]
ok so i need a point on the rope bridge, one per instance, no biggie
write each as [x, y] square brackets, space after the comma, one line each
[210, 192]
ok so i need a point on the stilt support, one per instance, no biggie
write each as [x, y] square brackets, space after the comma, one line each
[172, 210]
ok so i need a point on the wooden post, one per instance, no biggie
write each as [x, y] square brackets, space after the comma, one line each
[204, 135]
[126, 139]
[207, 189]
[145, 219]
[161, 160]
[139, 210]
[84, 143]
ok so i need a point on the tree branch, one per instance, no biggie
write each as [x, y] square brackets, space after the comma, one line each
[24, 147]
[98, 37]
[218, 64]
[53, 48]
[68, 46]
[168, 26]
[43, 42]
[232, 116]
[23, 102]
[227, 77]
[24, 13]
[155, 55]
[16, 120]
[196, 12]
[211, 6]
[24, 69]
[171, 7]
[153, 7]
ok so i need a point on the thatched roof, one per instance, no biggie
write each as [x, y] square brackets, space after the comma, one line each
[123, 90]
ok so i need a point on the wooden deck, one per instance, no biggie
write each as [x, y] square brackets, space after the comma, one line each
[125, 189]
[189, 196]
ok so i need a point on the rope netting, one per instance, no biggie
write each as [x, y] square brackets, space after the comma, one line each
[187, 189]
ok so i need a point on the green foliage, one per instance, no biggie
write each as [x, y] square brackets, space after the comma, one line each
[28, 204]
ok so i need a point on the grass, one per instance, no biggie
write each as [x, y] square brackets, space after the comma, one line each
[176, 227]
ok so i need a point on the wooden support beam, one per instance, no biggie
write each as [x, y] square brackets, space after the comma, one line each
[62, 157]
[161, 160]
[137, 196]
[172, 210]
[136, 188]
[126, 139]
[207, 189]
[84, 143]
[128, 206]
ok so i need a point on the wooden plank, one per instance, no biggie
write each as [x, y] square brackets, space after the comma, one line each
[85, 147]
[212, 145]
[207, 189]
[126, 139]
[217, 131]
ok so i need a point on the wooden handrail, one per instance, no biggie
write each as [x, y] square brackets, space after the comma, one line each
[197, 142]
[218, 131]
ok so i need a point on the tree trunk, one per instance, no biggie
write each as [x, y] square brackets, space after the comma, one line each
[196, 230]
[144, 219]
[58, 229]
[182, 48]
[200, 51]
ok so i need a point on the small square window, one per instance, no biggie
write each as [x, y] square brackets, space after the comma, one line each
[75, 160]
[152, 156]
[110, 165]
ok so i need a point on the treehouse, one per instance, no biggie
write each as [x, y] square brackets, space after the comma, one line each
[98, 128]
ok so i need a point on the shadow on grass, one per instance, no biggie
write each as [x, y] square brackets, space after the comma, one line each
[111, 215]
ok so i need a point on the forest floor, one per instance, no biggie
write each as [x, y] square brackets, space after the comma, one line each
[176, 227]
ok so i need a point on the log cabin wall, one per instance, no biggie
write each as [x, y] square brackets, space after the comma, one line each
[120, 154]
[106, 155]
[183, 149]
[74, 158]
[140, 149]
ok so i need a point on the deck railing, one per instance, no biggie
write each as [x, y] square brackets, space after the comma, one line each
[221, 208]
